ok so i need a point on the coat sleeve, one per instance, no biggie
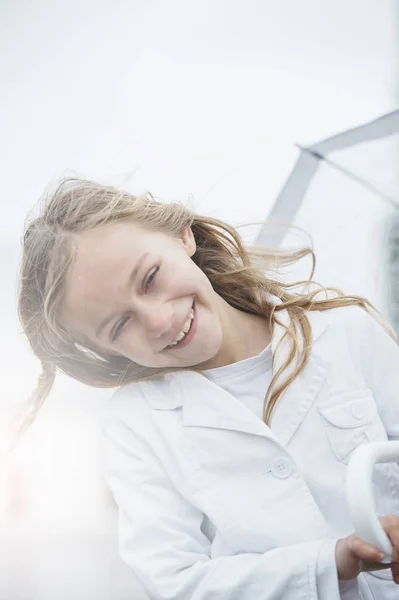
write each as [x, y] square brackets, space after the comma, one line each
[380, 360]
[161, 539]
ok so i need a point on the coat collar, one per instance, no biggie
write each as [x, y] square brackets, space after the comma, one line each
[206, 404]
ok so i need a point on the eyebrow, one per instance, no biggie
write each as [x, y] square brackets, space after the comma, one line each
[131, 279]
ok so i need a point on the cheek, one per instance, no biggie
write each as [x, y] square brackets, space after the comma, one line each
[130, 344]
[134, 346]
[194, 279]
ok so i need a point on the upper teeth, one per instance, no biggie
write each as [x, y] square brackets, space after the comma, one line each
[186, 327]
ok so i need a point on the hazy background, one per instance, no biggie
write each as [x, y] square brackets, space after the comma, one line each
[195, 101]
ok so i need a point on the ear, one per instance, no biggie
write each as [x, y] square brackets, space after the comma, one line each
[189, 241]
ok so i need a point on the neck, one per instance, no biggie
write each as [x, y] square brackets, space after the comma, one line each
[245, 335]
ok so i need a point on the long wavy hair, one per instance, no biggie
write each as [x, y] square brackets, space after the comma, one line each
[239, 274]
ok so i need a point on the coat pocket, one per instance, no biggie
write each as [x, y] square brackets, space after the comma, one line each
[351, 419]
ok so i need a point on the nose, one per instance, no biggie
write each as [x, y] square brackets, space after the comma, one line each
[155, 316]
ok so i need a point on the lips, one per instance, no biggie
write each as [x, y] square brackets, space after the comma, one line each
[186, 333]
[172, 345]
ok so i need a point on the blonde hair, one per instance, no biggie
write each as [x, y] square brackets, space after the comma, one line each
[235, 272]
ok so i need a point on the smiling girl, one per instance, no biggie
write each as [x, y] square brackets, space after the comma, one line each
[240, 399]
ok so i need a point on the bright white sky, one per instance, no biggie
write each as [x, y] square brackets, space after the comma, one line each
[200, 100]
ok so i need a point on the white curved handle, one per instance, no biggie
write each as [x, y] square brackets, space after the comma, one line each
[360, 493]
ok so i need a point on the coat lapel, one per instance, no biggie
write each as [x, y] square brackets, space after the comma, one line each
[205, 404]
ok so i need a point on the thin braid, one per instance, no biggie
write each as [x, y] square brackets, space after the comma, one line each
[24, 419]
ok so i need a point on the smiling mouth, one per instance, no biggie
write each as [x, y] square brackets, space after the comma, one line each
[186, 333]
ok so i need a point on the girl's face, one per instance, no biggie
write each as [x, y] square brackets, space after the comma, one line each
[135, 293]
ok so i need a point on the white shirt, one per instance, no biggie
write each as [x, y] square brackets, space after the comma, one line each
[214, 504]
[248, 380]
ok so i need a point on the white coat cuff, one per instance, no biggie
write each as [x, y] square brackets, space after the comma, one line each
[328, 585]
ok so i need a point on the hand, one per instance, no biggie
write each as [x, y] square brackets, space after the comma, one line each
[353, 555]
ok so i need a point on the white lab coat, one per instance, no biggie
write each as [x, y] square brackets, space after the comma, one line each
[215, 505]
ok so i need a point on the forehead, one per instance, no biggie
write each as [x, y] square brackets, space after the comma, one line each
[114, 244]
[112, 241]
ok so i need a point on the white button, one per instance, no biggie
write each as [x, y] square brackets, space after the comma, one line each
[281, 467]
[359, 409]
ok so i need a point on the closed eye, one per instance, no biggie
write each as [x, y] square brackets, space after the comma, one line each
[119, 328]
[151, 278]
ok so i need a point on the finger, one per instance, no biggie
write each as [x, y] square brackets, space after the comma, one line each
[390, 525]
[364, 551]
[395, 572]
[375, 566]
